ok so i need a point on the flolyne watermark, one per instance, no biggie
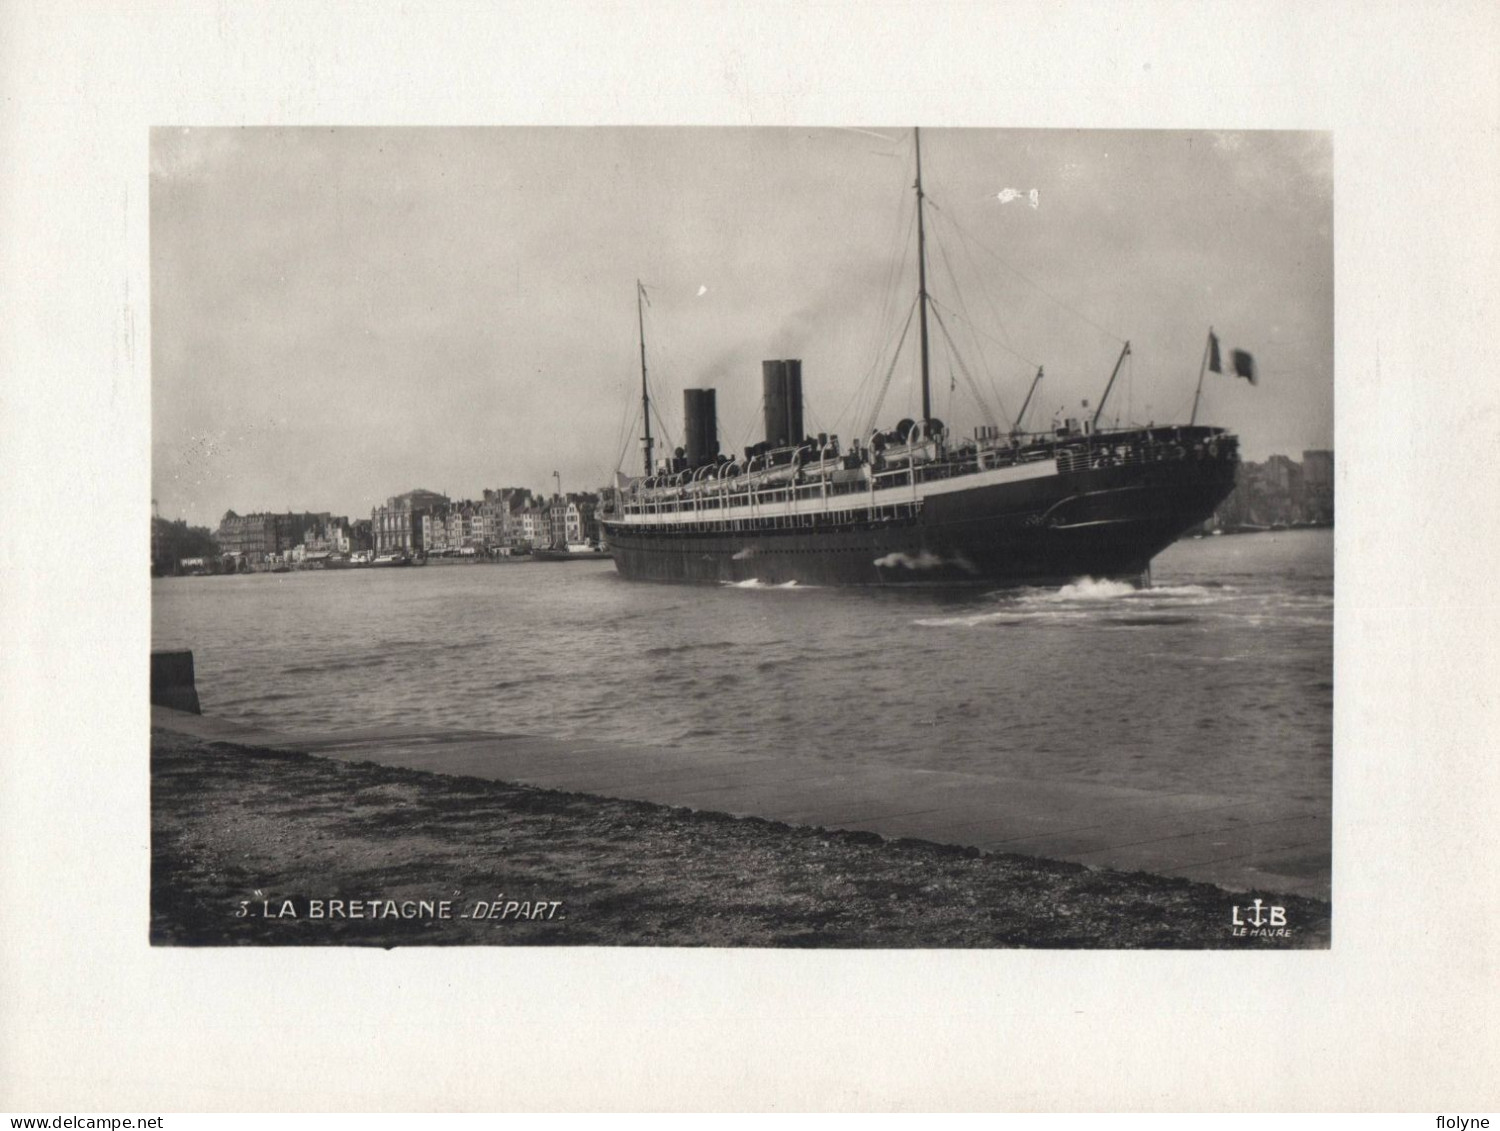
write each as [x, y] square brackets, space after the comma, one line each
[1259, 920]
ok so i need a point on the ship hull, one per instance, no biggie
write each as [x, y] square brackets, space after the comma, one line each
[1102, 523]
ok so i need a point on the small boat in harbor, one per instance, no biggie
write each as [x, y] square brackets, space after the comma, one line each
[572, 552]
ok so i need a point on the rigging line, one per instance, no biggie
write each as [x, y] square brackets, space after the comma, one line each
[984, 407]
[623, 437]
[865, 382]
[955, 356]
[628, 411]
[807, 413]
[969, 322]
[867, 387]
[959, 315]
[948, 393]
[861, 387]
[745, 434]
[666, 433]
[749, 431]
[625, 447]
[896, 263]
[629, 423]
[895, 268]
[665, 372]
[1177, 413]
[620, 431]
[1017, 271]
[886, 384]
[896, 259]
[994, 312]
[990, 381]
[978, 274]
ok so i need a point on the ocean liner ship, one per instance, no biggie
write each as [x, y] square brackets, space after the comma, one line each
[913, 505]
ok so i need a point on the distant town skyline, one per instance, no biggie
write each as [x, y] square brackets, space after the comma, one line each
[343, 315]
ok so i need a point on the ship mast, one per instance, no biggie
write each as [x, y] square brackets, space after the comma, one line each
[640, 318]
[922, 285]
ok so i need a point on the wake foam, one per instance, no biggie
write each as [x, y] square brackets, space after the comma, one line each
[974, 620]
[1089, 589]
[1088, 601]
[925, 560]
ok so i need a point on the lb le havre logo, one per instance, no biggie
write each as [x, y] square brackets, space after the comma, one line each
[1259, 920]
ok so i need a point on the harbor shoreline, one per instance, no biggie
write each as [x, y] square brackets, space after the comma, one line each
[256, 846]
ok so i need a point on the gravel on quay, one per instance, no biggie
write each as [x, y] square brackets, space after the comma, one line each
[264, 847]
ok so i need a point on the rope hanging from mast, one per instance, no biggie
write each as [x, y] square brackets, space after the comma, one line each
[977, 332]
[967, 320]
[989, 417]
[972, 239]
[890, 370]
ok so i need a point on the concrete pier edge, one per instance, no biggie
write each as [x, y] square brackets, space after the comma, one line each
[1237, 843]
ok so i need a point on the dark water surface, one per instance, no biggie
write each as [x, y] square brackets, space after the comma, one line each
[1217, 679]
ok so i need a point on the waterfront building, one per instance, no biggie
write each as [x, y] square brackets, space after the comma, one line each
[503, 509]
[177, 547]
[451, 527]
[249, 536]
[432, 530]
[534, 527]
[582, 526]
[257, 537]
[1317, 485]
[292, 528]
[1279, 492]
[399, 525]
[464, 526]
[557, 521]
[1283, 477]
[489, 522]
[392, 529]
[158, 538]
[328, 537]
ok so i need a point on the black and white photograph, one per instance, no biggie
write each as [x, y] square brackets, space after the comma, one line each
[848, 537]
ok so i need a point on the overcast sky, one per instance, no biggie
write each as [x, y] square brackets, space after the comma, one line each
[343, 315]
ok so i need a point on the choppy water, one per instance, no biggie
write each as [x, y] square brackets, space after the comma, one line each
[1217, 679]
